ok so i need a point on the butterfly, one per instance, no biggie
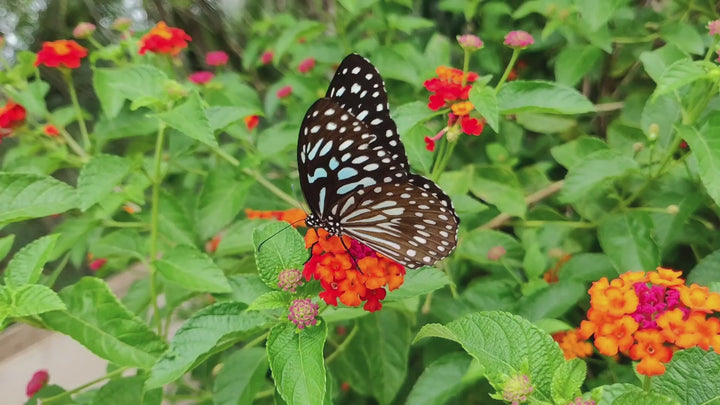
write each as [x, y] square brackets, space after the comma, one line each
[355, 175]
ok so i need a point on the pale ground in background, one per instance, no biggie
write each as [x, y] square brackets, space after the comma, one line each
[69, 364]
[25, 350]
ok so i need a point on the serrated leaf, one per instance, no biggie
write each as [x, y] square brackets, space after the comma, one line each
[241, 377]
[191, 119]
[571, 153]
[692, 377]
[25, 196]
[596, 14]
[499, 186]
[378, 361]
[705, 146]
[418, 156]
[285, 250]
[705, 271]
[680, 73]
[567, 379]
[552, 301]
[419, 282]
[222, 116]
[32, 97]
[440, 380]
[540, 96]
[192, 269]
[485, 101]
[122, 243]
[235, 239]
[97, 320]
[270, 300]
[596, 169]
[115, 85]
[27, 264]
[34, 299]
[296, 361]
[684, 36]
[505, 345]
[587, 267]
[174, 222]
[208, 331]
[99, 177]
[628, 241]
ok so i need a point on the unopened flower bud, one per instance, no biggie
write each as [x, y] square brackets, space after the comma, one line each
[519, 39]
[289, 279]
[638, 146]
[303, 313]
[121, 24]
[175, 89]
[496, 253]
[470, 42]
[516, 389]
[83, 30]
[653, 131]
[672, 209]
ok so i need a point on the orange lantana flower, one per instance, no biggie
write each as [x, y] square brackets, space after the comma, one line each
[164, 40]
[294, 216]
[613, 337]
[666, 277]
[651, 352]
[63, 53]
[571, 345]
[699, 298]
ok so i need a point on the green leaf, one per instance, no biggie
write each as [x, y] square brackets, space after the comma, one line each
[552, 301]
[571, 153]
[500, 187]
[270, 300]
[539, 96]
[123, 243]
[27, 264]
[191, 119]
[296, 361]
[419, 282]
[575, 61]
[477, 243]
[301, 29]
[97, 320]
[595, 170]
[597, 14]
[567, 379]
[25, 196]
[241, 377]
[220, 200]
[505, 345]
[6, 243]
[378, 362]
[485, 102]
[692, 377]
[174, 221]
[235, 240]
[643, 398]
[587, 267]
[222, 116]
[441, 380]
[628, 241]
[419, 157]
[285, 250]
[192, 269]
[408, 23]
[705, 146]
[209, 331]
[657, 61]
[705, 272]
[34, 299]
[121, 391]
[545, 123]
[32, 97]
[680, 73]
[684, 36]
[115, 85]
[411, 114]
[99, 177]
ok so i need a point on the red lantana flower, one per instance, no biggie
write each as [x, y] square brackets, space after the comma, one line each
[451, 89]
[306, 65]
[37, 382]
[51, 130]
[201, 77]
[216, 58]
[267, 57]
[284, 92]
[12, 115]
[251, 121]
[164, 40]
[63, 53]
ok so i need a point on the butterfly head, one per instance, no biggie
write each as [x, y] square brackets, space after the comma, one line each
[331, 225]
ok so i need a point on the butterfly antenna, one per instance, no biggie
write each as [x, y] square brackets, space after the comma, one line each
[278, 232]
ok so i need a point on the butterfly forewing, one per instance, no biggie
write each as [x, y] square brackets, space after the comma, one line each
[359, 89]
[338, 154]
[403, 221]
[355, 175]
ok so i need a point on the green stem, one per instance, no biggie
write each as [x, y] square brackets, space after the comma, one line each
[342, 346]
[109, 375]
[94, 42]
[711, 49]
[229, 158]
[512, 272]
[646, 383]
[154, 220]
[508, 69]
[256, 341]
[571, 224]
[74, 145]
[444, 159]
[78, 111]
[58, 269]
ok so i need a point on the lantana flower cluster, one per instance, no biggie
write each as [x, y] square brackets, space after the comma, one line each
[12, 115]
[648, 316]
[294, 216]
[353, 275]
[451, 89]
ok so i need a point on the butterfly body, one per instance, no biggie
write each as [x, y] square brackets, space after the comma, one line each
[355, 176]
